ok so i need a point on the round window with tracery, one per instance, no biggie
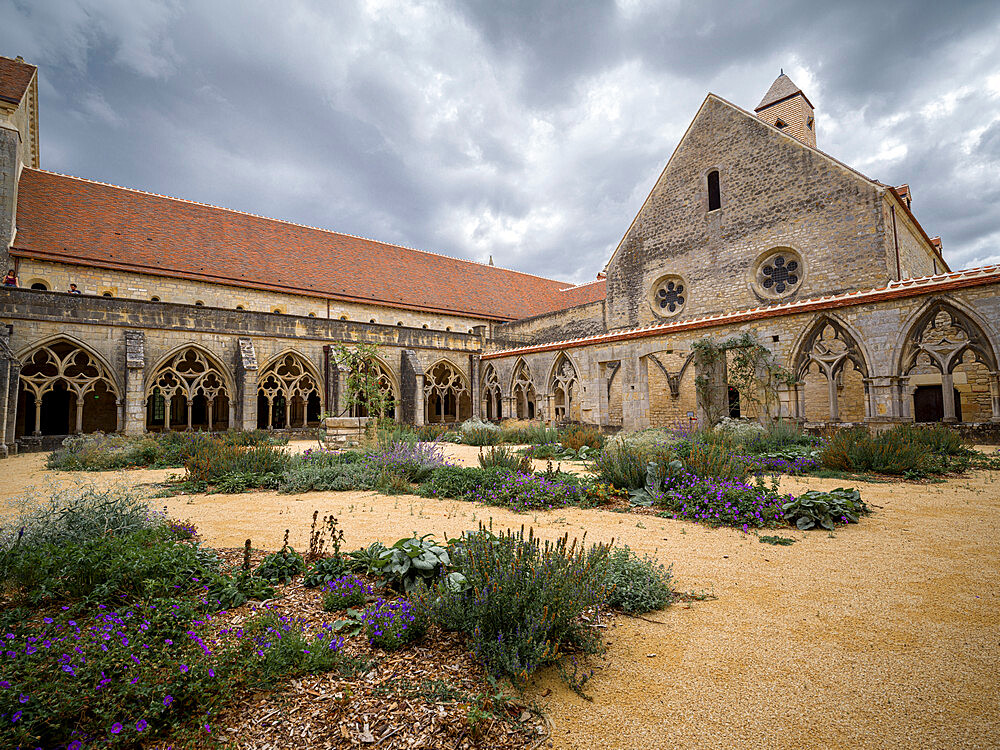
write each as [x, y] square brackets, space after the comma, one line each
[667, 296]
[779, 274]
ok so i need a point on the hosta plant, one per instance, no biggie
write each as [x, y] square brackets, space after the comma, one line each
[412, 561]
[825, 509]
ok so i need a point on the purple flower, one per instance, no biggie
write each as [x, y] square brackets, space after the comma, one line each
[141, 725]
[116, 728]
[184, 668]
[168, 700]
[15, 717]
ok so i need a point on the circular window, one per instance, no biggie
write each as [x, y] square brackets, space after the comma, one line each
[668, 295]
[779, 273]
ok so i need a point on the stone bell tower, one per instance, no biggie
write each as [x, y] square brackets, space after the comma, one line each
[787, 108]
[18, 140]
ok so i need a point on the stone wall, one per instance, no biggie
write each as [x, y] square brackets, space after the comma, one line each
[574, 322]
[775, 193]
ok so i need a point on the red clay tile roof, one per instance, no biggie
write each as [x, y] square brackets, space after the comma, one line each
[71, 220]
[15, 75]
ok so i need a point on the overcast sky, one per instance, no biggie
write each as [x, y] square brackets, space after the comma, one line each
[527, 129]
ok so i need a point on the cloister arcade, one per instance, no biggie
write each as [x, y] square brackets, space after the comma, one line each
[67, 388]
[189, 390]
[388, 386]
[288, 394]
[447, 396]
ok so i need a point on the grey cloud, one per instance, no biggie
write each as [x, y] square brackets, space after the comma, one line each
[476, 127]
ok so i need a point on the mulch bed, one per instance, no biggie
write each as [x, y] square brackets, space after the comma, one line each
[429, 695]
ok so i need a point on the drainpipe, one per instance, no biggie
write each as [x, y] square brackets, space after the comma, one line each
[895, 242]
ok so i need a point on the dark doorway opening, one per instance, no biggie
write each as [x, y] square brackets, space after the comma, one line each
[928, 404]
[734, 403]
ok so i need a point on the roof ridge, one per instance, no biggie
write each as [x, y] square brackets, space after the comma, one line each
[580, 286]
[566, 284]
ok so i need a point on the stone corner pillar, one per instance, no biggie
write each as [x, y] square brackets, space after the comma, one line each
[477, 405]
[134, 417]
[411, 388]
[243, 411]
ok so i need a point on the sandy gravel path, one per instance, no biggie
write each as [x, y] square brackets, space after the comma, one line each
[886, 634]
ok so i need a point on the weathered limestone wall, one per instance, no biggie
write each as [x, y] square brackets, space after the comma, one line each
[574, 322]
[916, 259]
[775, 193]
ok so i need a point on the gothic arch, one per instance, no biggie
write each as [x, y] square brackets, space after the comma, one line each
[288, 392]
[523, 393]
[189, 386]
[387, 384]
[827, 347]
[945, 347]
[492, 393]
[447, 396]
[564, 381]
[65, 386]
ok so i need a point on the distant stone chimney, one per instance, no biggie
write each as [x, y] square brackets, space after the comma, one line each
[787, 108]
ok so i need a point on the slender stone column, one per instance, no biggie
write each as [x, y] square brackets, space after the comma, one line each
[79, 415]
[995, 396]
[243, 403]
[477, 405]
[834, 406]
[948, 397]
[418, 401]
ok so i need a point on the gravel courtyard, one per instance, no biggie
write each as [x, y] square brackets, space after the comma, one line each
[885, 634]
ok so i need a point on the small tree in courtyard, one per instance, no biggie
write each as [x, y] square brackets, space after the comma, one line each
[364, 380]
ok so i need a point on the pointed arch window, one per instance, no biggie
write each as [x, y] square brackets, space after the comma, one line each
[714, 193]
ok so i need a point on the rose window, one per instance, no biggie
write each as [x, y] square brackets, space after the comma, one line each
[669, 297]
[780, 274]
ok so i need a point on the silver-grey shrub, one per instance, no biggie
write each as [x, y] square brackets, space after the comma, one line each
[78, 514]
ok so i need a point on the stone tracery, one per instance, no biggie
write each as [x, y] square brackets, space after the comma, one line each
[522, 391]
[188, 378]
[59, 371]
[287, 394]
[562, 387]
[446, 394]
[492, 394]
[830, 348]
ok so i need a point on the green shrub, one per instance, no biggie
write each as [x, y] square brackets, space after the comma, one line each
[637, 584]
[825, 509]
[323, 571]
[576, 436]
[937, 438]
[77, 514]
[890, 452]
[502, 457]
[476, 432]
[458, 482]
[213, 459]
[535, 434]
[622, 466]
[330, 472]
[714, 460]
[522, 599]
[110, 691]
[281, 566]
[431, 432]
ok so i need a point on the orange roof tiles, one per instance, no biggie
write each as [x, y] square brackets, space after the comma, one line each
[15, 75]
[72, 220]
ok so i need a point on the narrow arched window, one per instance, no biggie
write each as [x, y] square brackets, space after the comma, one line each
[714, 196]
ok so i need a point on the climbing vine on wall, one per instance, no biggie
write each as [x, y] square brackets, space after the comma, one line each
[751, 369]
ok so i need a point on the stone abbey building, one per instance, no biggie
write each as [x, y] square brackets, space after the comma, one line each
[749, 228]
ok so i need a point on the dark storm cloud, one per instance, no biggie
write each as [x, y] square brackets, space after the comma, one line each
[529, 130]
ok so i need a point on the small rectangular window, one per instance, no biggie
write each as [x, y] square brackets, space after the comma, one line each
[714, 194]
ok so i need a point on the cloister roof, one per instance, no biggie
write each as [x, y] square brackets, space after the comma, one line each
[72, 220]
[893, 290]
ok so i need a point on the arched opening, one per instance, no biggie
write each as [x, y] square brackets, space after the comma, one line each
[523, 392]
[41, 286]
[386, 387]
[563, 386]
[188, 392]
[831, 371]
[714, 193]
[285, 389]
[492, 394]
[64, 389]
[446, 395]
[947, 358]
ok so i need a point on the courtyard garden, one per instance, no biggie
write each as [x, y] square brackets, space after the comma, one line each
[688, 588]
